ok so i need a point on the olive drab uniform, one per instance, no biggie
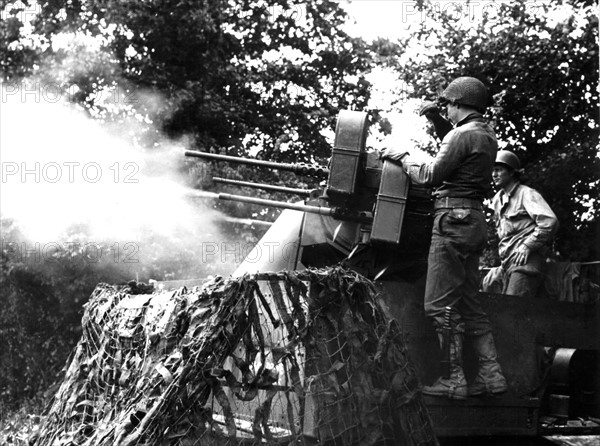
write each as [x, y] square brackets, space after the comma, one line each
[523, 217]
[461, 175]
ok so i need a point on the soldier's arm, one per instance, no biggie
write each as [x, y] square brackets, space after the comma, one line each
[447, 160]
[441, 125]
[432, 112]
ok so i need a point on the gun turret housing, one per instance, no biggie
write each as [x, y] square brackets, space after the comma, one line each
[364, 202]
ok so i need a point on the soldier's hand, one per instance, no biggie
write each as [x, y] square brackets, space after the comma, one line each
[393, 155]
[429, 108]
[522, 255]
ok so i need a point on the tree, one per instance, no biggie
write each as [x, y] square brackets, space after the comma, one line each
[16, 59]
[266, 75]
[541, 65]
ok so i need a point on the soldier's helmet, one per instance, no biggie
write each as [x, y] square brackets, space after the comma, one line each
[466, 91]
[509, 159]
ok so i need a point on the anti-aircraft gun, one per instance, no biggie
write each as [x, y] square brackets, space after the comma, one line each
[359, 214]
[369, 216]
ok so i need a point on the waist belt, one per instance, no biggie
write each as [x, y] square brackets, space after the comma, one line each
[452, 203]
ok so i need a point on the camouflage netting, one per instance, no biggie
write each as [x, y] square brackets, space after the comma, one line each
[292, 358]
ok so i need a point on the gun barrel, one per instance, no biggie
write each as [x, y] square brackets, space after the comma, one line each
[338, 214]
[246, 221]
[280, 204]
[303, 169]
[289, 190]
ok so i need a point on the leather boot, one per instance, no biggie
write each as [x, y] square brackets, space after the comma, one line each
[455, 386]
[489, 379]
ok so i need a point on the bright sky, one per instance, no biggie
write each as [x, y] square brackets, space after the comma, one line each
[380, 18]
[395, 18]
[392, 19]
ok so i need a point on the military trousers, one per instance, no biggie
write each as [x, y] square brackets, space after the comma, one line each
[524, 280]
[458, 238]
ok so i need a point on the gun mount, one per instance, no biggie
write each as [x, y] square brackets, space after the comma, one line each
[365, 201]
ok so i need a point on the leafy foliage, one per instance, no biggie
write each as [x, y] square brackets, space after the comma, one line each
[41, 297]
[16, 60]
[234, 75]
[541, 66]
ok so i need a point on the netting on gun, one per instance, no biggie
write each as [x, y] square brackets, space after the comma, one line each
[305, 357]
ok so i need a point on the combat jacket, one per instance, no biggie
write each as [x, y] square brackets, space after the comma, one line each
[522, 216]
[463, 166]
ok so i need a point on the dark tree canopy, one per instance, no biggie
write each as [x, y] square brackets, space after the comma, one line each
[541, 67]
[234, 75]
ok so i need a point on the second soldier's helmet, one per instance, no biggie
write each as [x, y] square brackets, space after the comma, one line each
[508, 158]
[466, 91]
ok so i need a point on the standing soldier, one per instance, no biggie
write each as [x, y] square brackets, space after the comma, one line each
[460, 174]
[525, 225]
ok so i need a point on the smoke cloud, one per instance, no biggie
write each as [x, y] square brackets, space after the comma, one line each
[66, 177]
